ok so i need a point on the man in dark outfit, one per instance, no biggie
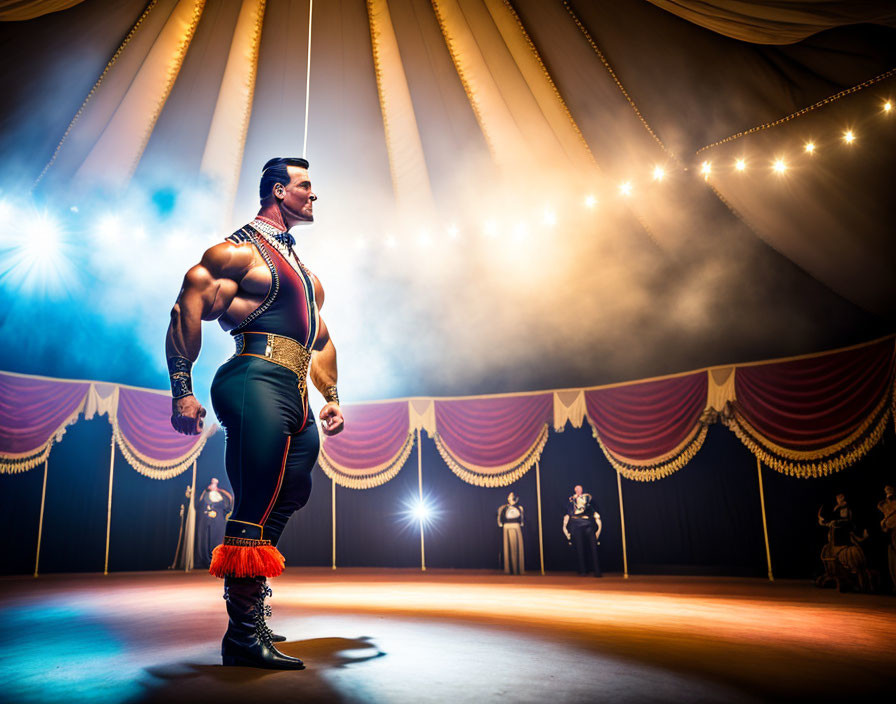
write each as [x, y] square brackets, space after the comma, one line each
[582, 527]
[257, 288]
[212, 508]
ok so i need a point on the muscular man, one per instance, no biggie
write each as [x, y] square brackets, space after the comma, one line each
[583, 520]
[256, 287]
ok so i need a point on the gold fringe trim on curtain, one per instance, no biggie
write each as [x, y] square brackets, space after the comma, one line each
[12, 463]
[807, 455]
[149, 6]
[821, 462]
[659, 467]
[155, 469]
[375, 476]
[502, 475]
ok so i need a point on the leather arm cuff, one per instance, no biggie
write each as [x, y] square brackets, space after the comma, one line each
[331, 395]
[180, 377]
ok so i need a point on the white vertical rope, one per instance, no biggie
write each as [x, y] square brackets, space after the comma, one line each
[308, 80]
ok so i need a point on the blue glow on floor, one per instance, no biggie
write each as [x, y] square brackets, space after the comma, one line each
[57, 653]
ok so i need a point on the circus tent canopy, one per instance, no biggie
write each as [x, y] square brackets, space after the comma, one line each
[488, 169]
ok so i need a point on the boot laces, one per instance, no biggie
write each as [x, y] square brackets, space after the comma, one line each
[260, 613]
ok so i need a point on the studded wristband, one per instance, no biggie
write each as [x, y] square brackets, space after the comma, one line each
[179, 374]
[331, 395]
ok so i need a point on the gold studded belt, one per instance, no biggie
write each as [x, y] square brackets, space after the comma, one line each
[277, 349]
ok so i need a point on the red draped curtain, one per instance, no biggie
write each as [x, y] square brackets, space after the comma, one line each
[649, 430]
[493, 441]
[810, 417]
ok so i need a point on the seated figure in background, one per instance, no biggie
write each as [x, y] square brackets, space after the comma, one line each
[887, 506]
[843, 558]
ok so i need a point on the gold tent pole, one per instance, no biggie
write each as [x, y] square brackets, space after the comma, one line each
[40, 521]
[622, 521]
[191, 525]
[540, 531]
[420, 494]
[333, 513]
[768, 552]
[109, 504]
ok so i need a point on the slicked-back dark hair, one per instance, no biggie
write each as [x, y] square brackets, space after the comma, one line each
[274, 171]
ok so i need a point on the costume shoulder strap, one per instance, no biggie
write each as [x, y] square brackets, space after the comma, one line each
[240, 236]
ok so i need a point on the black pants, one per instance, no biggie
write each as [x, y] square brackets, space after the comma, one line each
[271, 445]
[582, 531]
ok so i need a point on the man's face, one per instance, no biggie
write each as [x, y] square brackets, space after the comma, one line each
[296, 197]
[578, 490]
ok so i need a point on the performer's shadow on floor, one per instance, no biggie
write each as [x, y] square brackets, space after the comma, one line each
[197, 681]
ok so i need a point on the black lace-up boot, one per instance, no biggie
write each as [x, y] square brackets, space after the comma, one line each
[266, 590]
[248, 641]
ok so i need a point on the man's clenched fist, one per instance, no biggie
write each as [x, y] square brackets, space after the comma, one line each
[186, 415]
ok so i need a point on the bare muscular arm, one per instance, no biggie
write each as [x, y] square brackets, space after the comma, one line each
[324, 375]
[207, 291]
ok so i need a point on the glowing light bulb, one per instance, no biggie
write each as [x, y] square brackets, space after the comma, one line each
[659, 173]
[810, 147]
[590, 201]
[779, 166]
[625, 188]
[549, 218]
[706, 169]
[887, 106]
[849, 137]
[740, 164]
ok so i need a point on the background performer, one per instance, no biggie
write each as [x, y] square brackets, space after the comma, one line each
[511, 519]
[582, 527]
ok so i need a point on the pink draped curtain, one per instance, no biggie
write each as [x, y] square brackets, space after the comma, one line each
[142, 428]
[373, 447]
[34, 413]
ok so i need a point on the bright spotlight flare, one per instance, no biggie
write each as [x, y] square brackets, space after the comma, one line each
[590, 201]
[887, 106]
[659, 173]
[780, 166]
[420, 511]
[810, 147]
[625, 188]
[849, 136]
[740, 164]
[706, 169]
